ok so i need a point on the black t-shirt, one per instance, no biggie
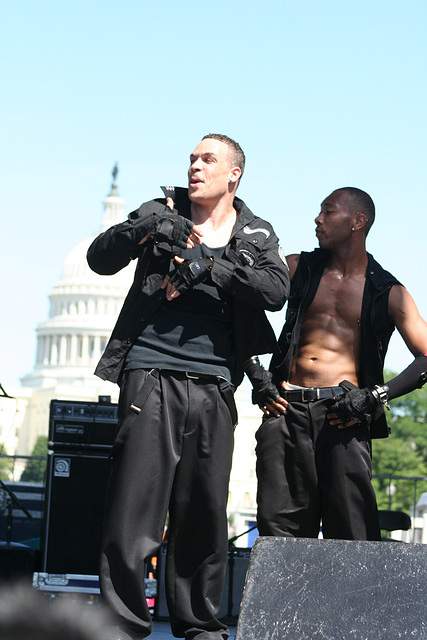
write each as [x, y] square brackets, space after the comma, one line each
[191, 333]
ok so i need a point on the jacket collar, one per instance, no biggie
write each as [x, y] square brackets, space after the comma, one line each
[244, 214]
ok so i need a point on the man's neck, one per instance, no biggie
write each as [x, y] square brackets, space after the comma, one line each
[214, 215]
[348, 261]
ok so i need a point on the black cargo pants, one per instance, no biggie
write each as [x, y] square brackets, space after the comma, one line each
[176, 455]
[309, 471]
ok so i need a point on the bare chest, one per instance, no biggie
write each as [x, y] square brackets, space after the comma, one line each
[339, 297]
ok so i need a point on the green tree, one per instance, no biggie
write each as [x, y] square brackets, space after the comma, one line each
[35, 469]
[404, 453]
[6, 466]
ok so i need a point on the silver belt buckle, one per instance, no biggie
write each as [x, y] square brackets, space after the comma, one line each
[303, 392]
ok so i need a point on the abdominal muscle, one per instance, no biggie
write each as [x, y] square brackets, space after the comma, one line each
[328, 353]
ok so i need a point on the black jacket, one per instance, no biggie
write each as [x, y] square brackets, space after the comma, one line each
[253, 271]
[376, 325]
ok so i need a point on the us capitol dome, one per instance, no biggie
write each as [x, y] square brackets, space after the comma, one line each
[83, 308]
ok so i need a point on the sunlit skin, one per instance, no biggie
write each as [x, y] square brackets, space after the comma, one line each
[330, 343]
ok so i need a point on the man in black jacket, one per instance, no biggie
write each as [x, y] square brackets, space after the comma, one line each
[314, 446]
[207, 270]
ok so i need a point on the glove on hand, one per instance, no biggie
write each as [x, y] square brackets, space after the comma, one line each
[263, 389]
[190, 273]
[358, 404]
[171, 232]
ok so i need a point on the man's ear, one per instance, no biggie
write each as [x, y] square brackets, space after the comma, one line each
[360, 221]
[235, 174]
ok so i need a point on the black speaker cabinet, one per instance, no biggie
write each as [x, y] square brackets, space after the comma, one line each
[301, 589]
[75, 425]
[74, 506]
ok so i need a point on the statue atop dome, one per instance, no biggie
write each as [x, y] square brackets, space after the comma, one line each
[115, 171]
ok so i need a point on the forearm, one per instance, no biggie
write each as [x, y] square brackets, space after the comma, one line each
[263, 389]
[153, 222]
[264, 286]
[413, 377]
[113, 249]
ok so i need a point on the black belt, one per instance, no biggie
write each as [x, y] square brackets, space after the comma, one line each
[179, 375]
[311, 394]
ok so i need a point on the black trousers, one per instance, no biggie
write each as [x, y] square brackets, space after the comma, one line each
[309, 471]
[175, 456]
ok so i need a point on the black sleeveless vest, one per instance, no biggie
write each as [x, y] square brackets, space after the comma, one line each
[376, 325]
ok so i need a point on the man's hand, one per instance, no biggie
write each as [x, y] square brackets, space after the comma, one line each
[357, 406]
[173, 232]
[276, 407]
[264, 392]
[263, 389]
[186, 276]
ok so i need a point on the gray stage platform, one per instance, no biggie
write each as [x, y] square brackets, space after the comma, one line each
[162, 631]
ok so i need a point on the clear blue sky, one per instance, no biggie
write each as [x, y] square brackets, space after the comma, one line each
[319, 94]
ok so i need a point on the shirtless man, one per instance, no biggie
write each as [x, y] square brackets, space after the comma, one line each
[314, 453]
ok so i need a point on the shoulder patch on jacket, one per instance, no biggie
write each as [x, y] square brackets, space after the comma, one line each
[248, 257]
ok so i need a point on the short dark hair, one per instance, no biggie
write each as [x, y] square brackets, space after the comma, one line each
[237, 155]
[361, 201]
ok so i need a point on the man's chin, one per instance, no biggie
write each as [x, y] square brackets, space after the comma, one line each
[194, 196]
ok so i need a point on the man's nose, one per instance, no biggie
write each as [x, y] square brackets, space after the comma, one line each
[196, 165]
[318, 219]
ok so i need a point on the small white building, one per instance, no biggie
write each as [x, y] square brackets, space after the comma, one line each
[419, 520]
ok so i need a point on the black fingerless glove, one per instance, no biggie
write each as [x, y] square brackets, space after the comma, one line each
[263, 389]
[359, 405]
[170, 235]
[190, 273]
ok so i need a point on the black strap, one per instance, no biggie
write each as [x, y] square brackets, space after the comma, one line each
[135, 409]
[144, 392]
